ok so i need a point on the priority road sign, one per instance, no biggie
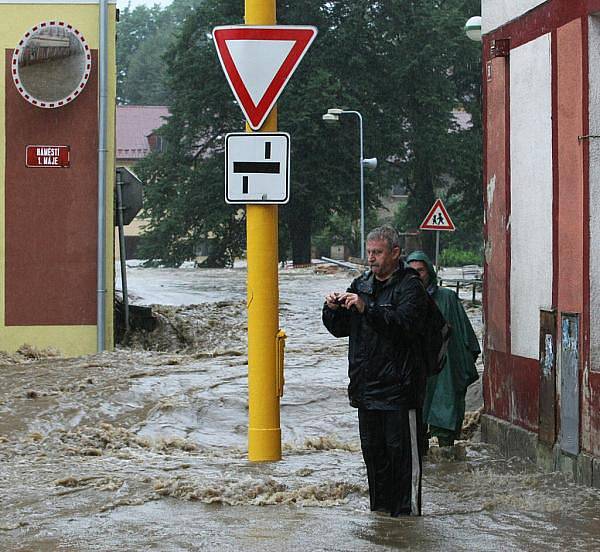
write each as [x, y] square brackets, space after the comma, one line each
[259, 61]
[257, 167]
[438, 218]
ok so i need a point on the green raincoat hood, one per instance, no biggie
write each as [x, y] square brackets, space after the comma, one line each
[422, 256]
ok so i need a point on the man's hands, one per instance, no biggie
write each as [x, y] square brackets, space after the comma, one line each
[344, 300]
[333, 300]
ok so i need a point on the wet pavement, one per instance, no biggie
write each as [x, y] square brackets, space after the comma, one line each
[146, 449]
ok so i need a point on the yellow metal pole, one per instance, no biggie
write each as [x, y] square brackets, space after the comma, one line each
[264, 433]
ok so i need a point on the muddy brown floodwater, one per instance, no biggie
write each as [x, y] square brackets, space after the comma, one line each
[145, 449]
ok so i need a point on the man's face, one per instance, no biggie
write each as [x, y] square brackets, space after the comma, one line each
[382, 260]
[421, 268]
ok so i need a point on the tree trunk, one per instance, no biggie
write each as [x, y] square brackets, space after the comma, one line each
[423, 201]
[300, 238]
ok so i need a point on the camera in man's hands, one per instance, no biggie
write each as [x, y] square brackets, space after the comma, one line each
[339, 300]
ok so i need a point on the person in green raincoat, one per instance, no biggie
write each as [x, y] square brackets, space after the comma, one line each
[444, 406]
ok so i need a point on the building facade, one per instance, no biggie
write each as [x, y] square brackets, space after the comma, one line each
[136, 138]
[56, 270]
[541, 80]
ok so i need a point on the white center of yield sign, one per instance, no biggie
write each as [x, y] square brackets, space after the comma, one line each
[258, 77]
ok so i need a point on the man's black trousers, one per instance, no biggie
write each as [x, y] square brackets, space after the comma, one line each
[390, 447]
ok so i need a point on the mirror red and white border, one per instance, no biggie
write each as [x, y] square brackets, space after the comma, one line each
[15, 66]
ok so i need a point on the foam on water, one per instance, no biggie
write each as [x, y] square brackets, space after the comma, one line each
[145, 447]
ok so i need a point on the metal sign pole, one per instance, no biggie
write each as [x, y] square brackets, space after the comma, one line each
[102, 165]
[437, 249]
[264, 377]
[122, 250]
[261, 195]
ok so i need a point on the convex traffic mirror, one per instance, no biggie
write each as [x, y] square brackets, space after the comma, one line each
[51, 64]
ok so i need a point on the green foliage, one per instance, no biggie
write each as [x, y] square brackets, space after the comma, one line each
[434, 69]
[403, 218]
[342, 228]
[143, 36]
[184, 208]
[453, 256]
[404, 64]
[183, 198]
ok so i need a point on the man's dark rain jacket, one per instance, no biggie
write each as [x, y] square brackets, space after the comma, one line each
[385, 362]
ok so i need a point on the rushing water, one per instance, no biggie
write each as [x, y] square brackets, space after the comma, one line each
[145, 449]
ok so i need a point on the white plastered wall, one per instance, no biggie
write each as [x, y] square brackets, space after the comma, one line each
[531, 192]
[495, 13]
[594, 105]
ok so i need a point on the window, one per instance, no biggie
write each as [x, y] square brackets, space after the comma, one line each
[157, 143]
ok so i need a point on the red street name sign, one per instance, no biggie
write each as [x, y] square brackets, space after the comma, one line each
[50, 157]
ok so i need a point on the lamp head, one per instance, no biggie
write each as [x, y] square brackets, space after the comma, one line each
[370, 163]
[331, 118]
[473, 28]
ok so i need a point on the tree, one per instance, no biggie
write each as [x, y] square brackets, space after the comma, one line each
[146, 73]
[466, 192]
[135, 28]
[203, 111]
[422, 51]
[436, 70]
[184, 185]
[143, 37]
[405, 65]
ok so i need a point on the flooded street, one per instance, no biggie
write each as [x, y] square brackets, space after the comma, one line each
[146, 449]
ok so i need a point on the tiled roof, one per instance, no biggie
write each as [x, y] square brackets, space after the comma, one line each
[134, 124]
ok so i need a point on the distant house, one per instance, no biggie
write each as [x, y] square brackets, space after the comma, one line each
[136, 138]
[136, 131]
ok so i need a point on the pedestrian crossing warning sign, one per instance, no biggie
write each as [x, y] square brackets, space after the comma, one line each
[438, 218]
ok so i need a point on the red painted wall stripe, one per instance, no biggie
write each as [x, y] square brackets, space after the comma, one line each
[543, 20]
[51, 214]
[496, 213]
[511, 392]
[555, 170]
[568, 157]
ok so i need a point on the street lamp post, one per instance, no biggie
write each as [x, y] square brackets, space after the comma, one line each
[333, 116]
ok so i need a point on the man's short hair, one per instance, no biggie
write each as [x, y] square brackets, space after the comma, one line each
[385, 233]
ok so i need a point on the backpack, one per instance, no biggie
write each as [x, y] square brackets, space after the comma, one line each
[436, 338]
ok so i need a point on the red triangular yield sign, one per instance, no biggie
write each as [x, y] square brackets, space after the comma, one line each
[438, 218]
[258, 63]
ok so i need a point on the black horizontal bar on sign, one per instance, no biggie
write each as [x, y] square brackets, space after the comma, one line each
[265, 167]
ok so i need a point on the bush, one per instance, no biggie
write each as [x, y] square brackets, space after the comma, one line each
[453, 256]
[340, 229]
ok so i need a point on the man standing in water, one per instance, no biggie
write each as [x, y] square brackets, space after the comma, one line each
[384, 314]
[444, 407]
